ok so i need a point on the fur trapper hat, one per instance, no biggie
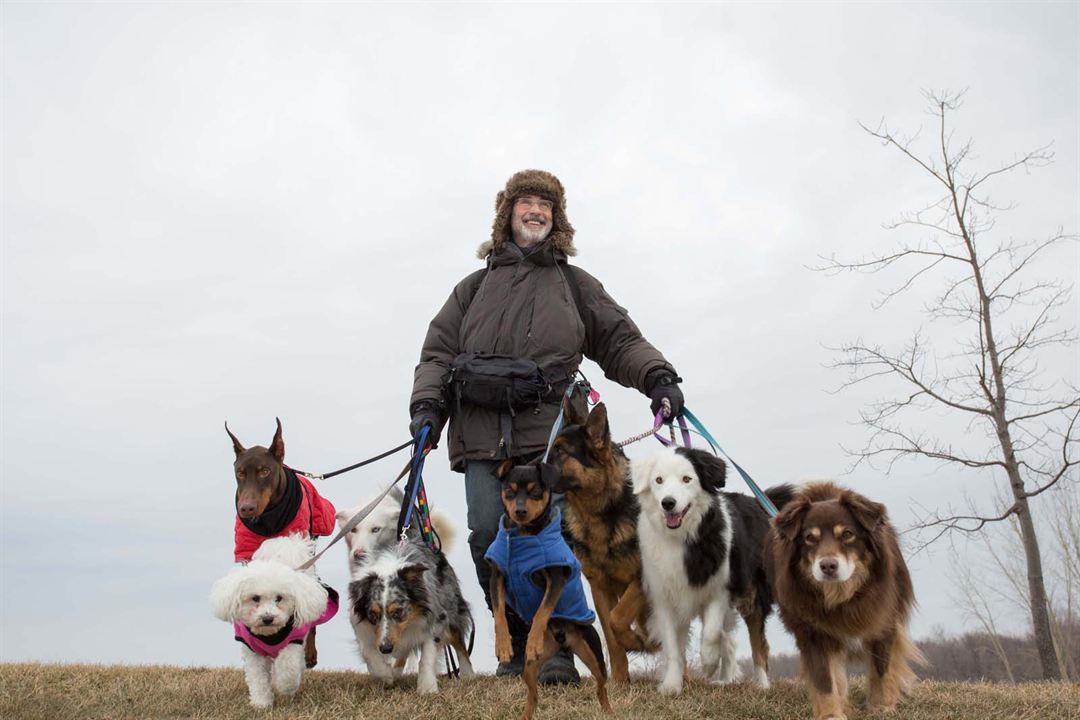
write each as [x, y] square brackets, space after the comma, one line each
[530, 182]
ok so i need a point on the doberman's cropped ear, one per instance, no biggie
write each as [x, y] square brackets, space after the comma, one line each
[789, 521]
[597, 433]
[571, 413]
[711, 470]
[237, 447]
[503, 468]
[277, 446]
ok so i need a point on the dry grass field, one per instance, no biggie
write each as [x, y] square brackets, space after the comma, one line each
[84, 692]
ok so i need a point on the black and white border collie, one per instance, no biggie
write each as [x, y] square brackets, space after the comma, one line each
[701, 558]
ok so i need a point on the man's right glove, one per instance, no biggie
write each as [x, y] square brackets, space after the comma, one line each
[425, 412]
[664, 384]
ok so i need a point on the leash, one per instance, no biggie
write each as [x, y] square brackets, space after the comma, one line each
[416, 496]
[658, 422]
[357, 518]
[362, 463]
[592, 396]
[665, 412]
[762, 498]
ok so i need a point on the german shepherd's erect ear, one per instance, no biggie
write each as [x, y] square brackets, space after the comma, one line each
[571, 415]
[711, 470]
[277, 445]
[597, 432]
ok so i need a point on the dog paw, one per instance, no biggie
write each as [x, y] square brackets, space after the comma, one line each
[503, 649]
[261, 702]
[761, 678]
[881, 708]
[427, 686]
[670, 687]
[534, 650]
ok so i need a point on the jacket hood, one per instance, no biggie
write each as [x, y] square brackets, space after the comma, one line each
[530, 182]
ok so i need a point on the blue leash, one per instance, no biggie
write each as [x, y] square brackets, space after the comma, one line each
[414, 478]
[762, 498]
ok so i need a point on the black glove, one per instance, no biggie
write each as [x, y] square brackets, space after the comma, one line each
[661, 384]
[425, 412]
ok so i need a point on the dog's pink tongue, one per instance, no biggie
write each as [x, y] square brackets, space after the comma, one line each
[673, 520]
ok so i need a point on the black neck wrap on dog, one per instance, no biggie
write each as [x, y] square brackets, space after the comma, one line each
[274, 519]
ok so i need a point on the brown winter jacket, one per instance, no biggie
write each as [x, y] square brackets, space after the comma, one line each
[522, 305]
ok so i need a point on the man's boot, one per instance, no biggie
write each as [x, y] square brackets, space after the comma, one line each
[519, 636]
[559, 670]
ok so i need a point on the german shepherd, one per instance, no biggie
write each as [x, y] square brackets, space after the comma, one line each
[601, 516]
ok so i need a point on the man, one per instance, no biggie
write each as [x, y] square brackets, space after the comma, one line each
[526, 303]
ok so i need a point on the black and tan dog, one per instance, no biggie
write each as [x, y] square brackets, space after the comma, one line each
[273, 500]
[536, 574]
[602, 514]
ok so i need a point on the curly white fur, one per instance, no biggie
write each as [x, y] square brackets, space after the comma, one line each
[264, 595]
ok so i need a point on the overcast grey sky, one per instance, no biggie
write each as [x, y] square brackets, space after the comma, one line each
[234, 211]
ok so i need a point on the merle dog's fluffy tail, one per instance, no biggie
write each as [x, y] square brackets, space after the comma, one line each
[593, 641]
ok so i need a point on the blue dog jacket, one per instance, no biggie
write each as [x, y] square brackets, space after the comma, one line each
[519, 556]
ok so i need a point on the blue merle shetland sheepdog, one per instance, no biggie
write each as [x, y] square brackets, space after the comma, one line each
[407, 598]
[701, 558]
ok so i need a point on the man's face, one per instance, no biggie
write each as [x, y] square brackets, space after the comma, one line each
[531, 220]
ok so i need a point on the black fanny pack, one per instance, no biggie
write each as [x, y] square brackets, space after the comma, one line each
[504, 382]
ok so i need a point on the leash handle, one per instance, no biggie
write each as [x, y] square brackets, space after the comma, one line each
[762, 498]
[413, 485]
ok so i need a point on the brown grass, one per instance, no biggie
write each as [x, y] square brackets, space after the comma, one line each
[84, 692]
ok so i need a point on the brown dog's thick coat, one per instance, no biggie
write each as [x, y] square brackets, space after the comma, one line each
[601, 517]
[830, 526]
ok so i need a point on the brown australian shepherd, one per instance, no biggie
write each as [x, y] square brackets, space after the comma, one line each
[835, 564]
[601, 517]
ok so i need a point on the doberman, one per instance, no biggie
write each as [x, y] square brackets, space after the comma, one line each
[273, 500]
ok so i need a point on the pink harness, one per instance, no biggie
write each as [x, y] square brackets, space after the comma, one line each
[259, 646]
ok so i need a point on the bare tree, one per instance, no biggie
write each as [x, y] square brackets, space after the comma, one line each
[1003, 320]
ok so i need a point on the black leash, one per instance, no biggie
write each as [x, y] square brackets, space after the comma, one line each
[362, 463]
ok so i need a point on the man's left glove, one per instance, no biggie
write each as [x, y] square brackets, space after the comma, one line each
[661, 384]
[425, 412]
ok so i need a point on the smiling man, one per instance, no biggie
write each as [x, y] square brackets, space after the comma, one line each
[536, 314]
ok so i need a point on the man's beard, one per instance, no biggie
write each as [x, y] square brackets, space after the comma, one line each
[525, 235]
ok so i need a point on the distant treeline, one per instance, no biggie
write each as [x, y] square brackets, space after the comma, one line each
[969, 657]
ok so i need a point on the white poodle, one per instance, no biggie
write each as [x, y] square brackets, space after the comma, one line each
[272, 606]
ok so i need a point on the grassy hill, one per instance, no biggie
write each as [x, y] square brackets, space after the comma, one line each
[85, 692]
